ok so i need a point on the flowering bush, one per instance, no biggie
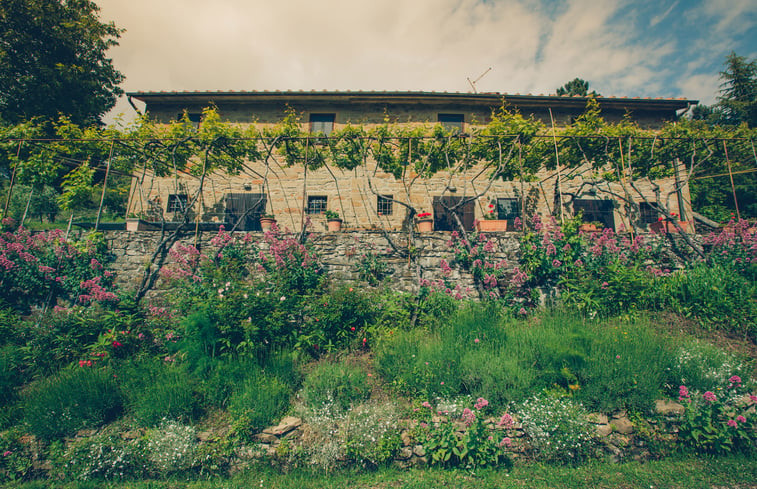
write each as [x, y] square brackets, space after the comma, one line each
[719, 422]
[557, 429]
[43, 267]
[103, 456]
[476, 447]
[171, 447]
[735, 246]
[371, 434]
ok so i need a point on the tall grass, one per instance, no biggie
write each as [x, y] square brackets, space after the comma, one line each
[606, 365]
[71, 400]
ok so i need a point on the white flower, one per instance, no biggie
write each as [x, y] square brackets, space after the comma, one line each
[283, 298]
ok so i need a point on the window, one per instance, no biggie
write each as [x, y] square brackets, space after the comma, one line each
[317, 204]
[322, 123]
[647, 213]
[596, 210]
[445, 208]
[177, 202]
[244, 210]
[452, 122]
[384, 205]
[508, 208]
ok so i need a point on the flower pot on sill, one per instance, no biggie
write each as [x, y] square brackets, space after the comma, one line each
[492, 225]
[136, 224]
[665, 227]
[425, 225]
[334, 225]
[266, 223]
[588, 228]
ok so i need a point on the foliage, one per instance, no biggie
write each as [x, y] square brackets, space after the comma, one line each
[715, 295]
[38, 269]
[155, 390]
[73, 399]
[576, 87]
[54, 60]
[15, 459]
[720, 421]
[371, 266]
[102, 456]
[371, 434]
[738, 99]
[475, 448]
[339, 384]
[704, 367]
[557, 429]
[260, 400]
[170, 447]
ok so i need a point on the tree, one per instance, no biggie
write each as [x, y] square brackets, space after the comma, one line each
[53, 61]
[738, 99]
[576, 87]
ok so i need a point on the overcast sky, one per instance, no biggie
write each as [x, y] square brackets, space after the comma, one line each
[645, 48]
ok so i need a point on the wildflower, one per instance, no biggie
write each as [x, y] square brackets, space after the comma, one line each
[732, 423]
[476, 341]
[283, 298]
[352, 328]
[752, 398]
[6, 453]
[426, 404]
[556, 263]
[617, 357]
[506, 420]
[735, 380]
[468, 417]
[116, 344]
[481, 403]
[522, 311]
[740, 419]
[505, 442]
[683, 393]
[709, 396]
[605, 285]
[441, 383]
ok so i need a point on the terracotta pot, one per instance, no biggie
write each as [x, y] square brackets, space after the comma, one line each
[664, 227]
[492, 225]
[266, 222]
[334, 225]
[425, 225]
[588, 228]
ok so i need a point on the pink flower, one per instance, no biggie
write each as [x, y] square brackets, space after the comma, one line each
[468, 417]
[481, 403]
[605, 285]
[426, 404]
[732, 423]
[709, 396]
[506, 420]
[741, 419]
[683, 393]
[505, 442]
[476, 341]
[736, 380]
[6, 453]
[752, 398]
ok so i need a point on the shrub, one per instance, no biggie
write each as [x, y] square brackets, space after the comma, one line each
[371, 435]
[715, 295]
[557, 429]
[475, 448]
[719, 423]
[342, 383]
[260, 400]
[170, 447]
[103, 456]
[71, 400]
[336, 320]
[15, 459]
[157, 390]
[704, 367]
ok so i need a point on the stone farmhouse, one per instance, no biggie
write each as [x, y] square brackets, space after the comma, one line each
[291, 198]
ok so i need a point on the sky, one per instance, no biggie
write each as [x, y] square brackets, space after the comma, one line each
[644, 48]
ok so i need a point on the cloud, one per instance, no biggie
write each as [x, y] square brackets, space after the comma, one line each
[531, 45]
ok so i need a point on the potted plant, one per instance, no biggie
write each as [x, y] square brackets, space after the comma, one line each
[491, 222]
[590, 227]
[266, 221]
[333, 221]
[664, 225]
[425, 222]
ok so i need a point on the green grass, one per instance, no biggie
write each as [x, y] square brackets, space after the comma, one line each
[672, 473]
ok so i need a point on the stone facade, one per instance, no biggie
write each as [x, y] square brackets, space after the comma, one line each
[360, 195]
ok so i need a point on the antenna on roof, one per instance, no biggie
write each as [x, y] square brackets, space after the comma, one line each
[473, 83]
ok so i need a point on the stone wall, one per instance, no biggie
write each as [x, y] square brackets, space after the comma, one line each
[339, 252]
